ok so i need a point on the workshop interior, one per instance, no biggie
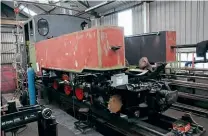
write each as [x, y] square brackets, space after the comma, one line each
[104, 68]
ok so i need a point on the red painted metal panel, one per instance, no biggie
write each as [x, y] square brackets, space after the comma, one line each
[8, 79]
[112, 37]
[82, 50]
[170, 41]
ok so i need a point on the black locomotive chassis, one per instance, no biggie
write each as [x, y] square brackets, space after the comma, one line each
[114, 124]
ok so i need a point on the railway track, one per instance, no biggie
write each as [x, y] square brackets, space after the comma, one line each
[194, 85]
[190, 103]
[122, 126]
[194, 97]
[187, 108]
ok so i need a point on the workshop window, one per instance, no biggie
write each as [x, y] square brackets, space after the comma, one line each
[188, 57]
[125, 20]
[184, 57]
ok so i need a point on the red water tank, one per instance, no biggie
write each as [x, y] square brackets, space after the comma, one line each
[99, 48]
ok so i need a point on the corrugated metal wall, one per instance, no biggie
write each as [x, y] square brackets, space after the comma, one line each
[8, 46]
[138, 23]
[109, 20]
[116, 6]
[137, 14]
[8, 53]
[188, 18]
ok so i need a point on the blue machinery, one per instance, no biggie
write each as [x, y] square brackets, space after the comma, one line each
[31, 85]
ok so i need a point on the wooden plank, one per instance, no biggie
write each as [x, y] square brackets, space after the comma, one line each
[10, 22]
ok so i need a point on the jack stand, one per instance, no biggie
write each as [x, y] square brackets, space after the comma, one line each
[83, 125]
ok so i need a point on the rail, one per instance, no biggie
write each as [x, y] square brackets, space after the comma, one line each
[189, 84]
[188, 69]
[187, 108]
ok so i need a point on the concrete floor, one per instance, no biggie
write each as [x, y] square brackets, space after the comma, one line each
[32, 130]
[66, 122]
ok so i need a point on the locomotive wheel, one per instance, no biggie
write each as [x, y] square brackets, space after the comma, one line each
[67, 89]
[65, 77]
[79, 93]
[55, 84]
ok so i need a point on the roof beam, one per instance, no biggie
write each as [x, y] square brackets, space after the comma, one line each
[9, 11]
[53, 5]
[3, 12]
[51, 10]
[87, 3]
[84, 4]
[87, 6]
[45, 11]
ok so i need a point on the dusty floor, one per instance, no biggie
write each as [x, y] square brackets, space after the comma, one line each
[66, 122]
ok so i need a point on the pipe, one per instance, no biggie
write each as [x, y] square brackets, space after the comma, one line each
[184, 46]
[96, 6]
[93, 8]
[32, 115]
[31, 85]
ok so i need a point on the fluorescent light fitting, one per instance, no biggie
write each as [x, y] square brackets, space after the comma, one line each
[96, 6]
[27, 10]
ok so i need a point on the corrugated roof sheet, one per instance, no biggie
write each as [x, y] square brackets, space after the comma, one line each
[113, 5]
[76, 6]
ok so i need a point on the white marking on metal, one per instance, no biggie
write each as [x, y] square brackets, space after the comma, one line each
[37, 66]
[76, 64]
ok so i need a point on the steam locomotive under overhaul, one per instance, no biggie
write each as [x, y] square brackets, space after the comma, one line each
[90, 66]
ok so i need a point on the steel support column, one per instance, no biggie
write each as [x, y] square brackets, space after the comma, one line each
[146, 17]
